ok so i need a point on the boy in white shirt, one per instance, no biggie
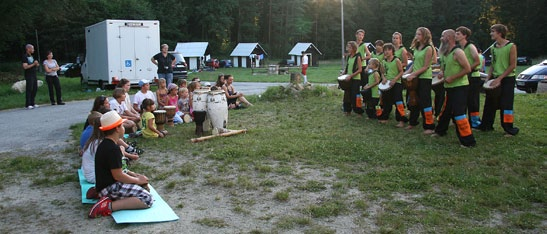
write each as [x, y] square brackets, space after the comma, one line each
[143, 94]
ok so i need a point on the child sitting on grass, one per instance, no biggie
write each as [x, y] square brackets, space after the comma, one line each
[117, 190]
[161, 93]
[148, 120]
[183, 105]
[173, 98]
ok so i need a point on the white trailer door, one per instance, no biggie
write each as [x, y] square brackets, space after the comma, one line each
[126, 63]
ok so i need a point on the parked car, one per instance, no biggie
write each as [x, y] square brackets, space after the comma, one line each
[287, 62]
[225, 63]
[524, 60]
[528, 79]
[214, 63]
[74, 70]
[180, 70]
[63, 68]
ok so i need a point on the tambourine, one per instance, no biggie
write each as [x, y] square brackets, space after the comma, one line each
[384, 87]
[436, 81]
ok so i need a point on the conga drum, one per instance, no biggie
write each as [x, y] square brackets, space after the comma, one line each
[343, 83]
[170, 112]
[412, 89]
[217, 109]
[160, 118]
[199, 105]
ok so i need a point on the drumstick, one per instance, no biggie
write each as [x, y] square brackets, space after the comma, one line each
[230, 133]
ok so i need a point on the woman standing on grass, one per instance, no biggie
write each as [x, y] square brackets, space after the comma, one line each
[353, 70]
[421, 69]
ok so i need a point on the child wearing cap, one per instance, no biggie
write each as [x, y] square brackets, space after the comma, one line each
[149, 129]
[144, 93]
[117, 190]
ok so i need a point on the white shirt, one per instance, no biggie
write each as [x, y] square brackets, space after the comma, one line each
[51, 65]
[88, 162]
[139, 97]
[118, 107]
[305, 60]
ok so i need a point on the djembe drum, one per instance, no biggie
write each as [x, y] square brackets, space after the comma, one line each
[343, 83]
[160, 119]
[170, 112]
[412, 89]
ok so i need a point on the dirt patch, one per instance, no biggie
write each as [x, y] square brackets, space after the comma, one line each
[209, 196]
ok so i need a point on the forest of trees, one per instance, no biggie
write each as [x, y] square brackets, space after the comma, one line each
[277, 25]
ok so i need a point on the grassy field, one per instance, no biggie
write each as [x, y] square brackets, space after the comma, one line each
[498, 186]
[378, 175]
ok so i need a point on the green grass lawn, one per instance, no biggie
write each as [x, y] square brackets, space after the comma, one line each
[416, 178]
[408, 179]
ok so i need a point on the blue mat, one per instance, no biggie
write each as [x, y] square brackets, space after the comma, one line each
[159, 212]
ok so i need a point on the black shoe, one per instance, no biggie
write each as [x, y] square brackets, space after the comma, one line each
[53, 104]
[60, 103]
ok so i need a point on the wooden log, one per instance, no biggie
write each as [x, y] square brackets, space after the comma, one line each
[229, 133]
[295, 78]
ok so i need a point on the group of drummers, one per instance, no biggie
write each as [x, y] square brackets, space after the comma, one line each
[374, 82]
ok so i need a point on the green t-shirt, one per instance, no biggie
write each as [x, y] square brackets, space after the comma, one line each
[419, 62]
[363, 52]
[371, 80]
[380, 56]
[452, 67]
[351, 66]
[501, 59]
[475, 70]
[391, 69]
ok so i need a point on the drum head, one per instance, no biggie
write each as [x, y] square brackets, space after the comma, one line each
[159, 111]
[488, 85]
[436, 81]
[343, 77]
[169, 107]
[384, 87]
[405, 76]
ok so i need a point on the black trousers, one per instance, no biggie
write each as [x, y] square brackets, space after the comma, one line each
[424, 106]
[502, 100]
[53, 82]
[393, 96]
[454, 108]
[31, 90]
[350, 97]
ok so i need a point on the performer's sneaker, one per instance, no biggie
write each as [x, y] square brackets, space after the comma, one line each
[101, 208]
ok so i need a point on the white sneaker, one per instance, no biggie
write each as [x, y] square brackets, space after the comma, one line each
[30, 107]
[36, 106]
